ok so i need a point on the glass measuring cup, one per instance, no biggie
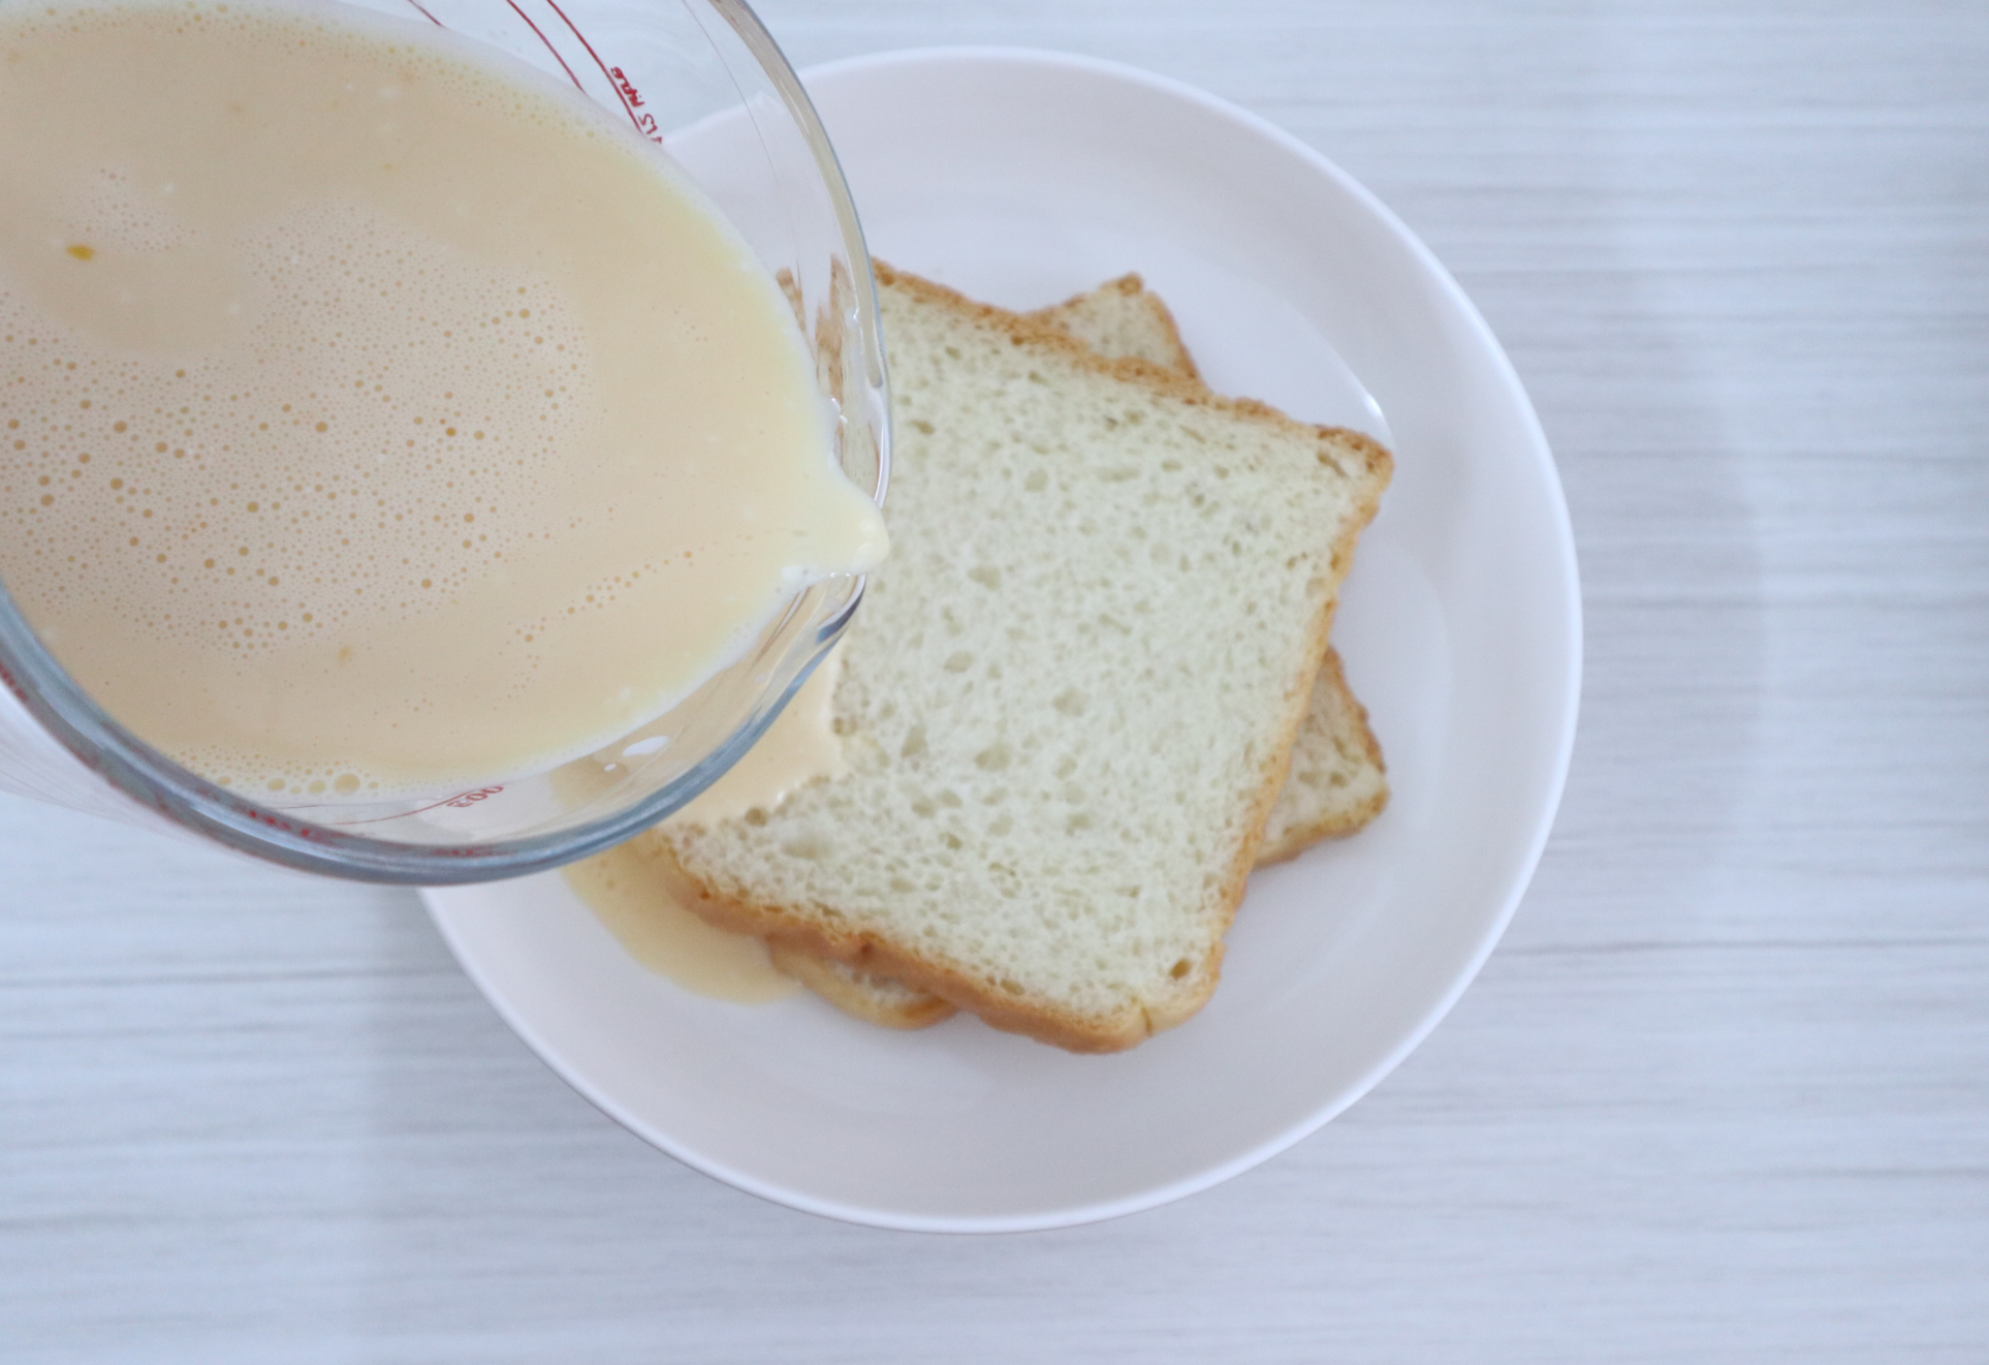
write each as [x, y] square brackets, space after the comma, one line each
[703, 79]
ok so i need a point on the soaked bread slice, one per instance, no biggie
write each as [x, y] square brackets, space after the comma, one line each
[1074, 691]
[1337, 781]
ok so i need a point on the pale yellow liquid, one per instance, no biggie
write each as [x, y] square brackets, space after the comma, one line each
[637, 905]
[638, 902]
[378, 419]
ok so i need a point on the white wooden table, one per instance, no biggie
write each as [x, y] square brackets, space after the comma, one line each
[1723, 1095]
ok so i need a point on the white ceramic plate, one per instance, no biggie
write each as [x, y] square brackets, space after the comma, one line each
[1021, 178]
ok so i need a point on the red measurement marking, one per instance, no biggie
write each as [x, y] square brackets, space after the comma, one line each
[424, 13]
[548, 42]
[460, 801]
[645, 123]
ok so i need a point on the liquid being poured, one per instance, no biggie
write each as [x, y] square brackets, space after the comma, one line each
[377, 419]
[632, 892]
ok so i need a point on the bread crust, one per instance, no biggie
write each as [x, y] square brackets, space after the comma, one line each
[1023, 329]
[806, 929]
[797, 930]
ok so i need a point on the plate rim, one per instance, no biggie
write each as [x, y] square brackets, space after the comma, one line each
[437, 900]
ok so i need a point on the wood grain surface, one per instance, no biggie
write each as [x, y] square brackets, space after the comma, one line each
[1722, 1095]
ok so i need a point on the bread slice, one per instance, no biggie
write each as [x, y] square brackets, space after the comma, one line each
[1074, 690]
[1337, 781]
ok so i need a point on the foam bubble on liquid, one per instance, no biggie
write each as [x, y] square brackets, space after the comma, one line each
[112, 212]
